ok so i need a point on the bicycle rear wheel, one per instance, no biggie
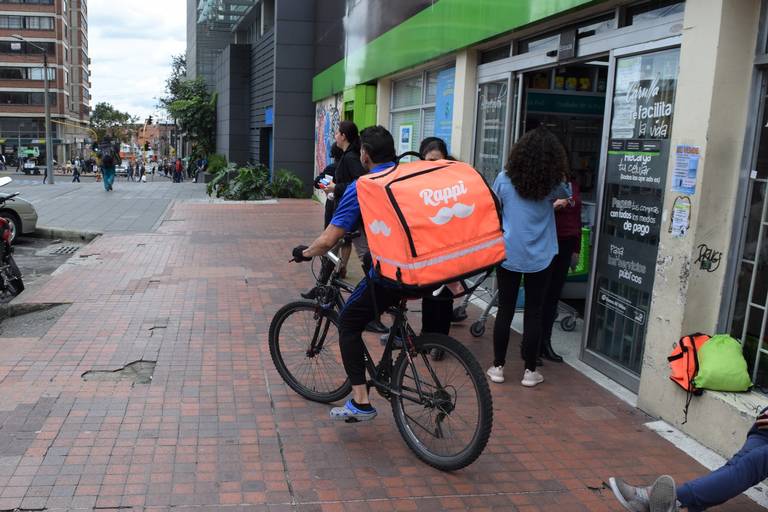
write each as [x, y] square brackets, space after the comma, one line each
[304, 345]
[444, 410]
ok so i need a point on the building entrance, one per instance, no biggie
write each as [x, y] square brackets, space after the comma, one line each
[570, 102]
[609, 102]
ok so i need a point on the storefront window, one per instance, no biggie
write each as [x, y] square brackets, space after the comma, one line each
[491, 128]
[632, 205]
[584, 30]
[750, 315]
[539, 44]
[494, 54]
[654, 11]
[422, 106]
[407, 93]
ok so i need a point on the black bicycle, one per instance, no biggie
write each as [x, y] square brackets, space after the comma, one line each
[443, 409]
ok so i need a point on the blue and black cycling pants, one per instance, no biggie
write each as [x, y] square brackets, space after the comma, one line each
[365, 304]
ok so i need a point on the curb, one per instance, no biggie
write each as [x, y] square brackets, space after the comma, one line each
[65, 234]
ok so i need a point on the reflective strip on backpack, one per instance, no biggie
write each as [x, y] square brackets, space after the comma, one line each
[441, 259]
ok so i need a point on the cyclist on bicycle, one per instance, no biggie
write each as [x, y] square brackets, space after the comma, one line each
[377, 154]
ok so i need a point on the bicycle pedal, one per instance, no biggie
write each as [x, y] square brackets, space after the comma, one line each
[351, 420]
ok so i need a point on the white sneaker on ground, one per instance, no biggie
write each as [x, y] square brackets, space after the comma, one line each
[496, 373]
[532, 378]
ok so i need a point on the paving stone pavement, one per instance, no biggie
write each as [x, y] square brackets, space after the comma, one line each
[217, 429]
[130, 208]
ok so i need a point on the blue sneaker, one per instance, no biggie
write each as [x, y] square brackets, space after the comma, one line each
[351, 414]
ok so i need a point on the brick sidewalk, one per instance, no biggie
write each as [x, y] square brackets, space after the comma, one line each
[218, 430]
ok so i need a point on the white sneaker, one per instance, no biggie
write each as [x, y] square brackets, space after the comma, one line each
[496, 373]
[532, 378]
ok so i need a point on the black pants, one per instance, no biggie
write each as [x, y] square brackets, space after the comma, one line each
[559, 272]
[437, 312]
[535, 285]
[358, 311]
[328, 213]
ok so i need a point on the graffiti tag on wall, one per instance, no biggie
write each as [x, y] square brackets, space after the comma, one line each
[708, 259]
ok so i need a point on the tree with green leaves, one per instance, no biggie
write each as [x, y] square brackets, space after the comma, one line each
[106, 120]
[174, 81]
[192, 106]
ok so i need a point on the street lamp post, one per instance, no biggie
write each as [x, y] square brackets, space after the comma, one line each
[48, 142]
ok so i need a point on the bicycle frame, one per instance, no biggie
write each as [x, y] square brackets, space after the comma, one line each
[381, 373]
[328, 278]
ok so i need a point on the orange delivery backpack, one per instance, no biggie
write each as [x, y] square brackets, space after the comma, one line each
[684, 365]
[430, 223]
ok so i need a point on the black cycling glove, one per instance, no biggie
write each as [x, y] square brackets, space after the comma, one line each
[298, 255]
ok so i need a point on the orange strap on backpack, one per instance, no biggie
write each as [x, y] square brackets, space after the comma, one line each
[684, 365]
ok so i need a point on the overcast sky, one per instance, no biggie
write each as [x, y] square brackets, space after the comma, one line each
[130, 45]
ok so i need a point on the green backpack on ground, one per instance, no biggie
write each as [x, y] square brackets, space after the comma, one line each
[722, 366]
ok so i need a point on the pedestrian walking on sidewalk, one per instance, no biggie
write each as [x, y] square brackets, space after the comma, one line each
[178, 171]
[76, 174]
[108, 171]
[532, 180]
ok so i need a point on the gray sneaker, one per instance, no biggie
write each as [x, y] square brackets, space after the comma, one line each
[635, 499]
[659, 497]
[663, 495]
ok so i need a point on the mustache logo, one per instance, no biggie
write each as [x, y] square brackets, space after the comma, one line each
[445, 214]
[379, 227]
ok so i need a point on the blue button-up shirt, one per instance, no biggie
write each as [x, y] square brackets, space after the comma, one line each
[530, 235]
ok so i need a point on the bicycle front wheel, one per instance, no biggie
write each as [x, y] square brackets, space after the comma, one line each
[304, 345]
[443, 409]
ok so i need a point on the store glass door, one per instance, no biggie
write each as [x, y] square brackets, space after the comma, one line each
[634, 161]
[491, 128]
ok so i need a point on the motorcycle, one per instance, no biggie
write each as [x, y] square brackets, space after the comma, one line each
[11, 283]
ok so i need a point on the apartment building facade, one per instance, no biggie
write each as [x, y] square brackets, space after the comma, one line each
[60, 29]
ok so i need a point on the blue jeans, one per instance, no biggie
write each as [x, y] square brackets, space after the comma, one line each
[108, 176]
[745, 469]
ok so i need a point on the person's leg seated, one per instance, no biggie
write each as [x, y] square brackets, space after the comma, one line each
[745, 469]
[508, 284]
[658, 497]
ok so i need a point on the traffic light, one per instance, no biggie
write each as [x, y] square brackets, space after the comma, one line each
[146, 146]
[149, 120]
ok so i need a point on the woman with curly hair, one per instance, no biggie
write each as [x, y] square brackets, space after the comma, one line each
[533, 178]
